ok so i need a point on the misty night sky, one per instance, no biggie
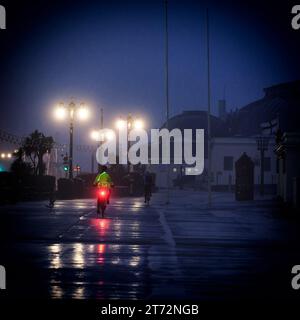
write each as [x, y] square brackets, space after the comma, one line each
[111, 54]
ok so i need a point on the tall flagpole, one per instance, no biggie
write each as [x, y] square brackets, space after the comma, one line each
[208, 113]
[101, 127]
[101, 118]
[167, 89]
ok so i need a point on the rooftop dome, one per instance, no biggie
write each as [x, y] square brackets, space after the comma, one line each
[196, 119]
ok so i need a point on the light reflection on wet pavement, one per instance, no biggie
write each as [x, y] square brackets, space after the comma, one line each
[100, 269]
[179, 251]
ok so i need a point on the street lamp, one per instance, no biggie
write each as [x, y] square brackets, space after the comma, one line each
[83, 112]
[6, 155]
[138, 124]
[262, 146]
[120, 124]
[70, 111]
[131, 123]
[95, 135]
[60, 112]
[98, 136]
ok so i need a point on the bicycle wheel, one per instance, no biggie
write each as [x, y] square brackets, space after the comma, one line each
[103, 207]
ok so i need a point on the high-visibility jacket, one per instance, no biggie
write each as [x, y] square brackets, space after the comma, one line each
[103, 179]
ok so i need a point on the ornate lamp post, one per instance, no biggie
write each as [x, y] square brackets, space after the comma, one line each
[70, 111]
[131, 123]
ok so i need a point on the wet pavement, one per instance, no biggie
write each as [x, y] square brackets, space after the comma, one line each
[179, 251]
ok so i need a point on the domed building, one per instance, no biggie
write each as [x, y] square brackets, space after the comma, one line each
[234, 133]
[197, 119]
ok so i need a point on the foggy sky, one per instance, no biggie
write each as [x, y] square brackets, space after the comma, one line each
[111, 54]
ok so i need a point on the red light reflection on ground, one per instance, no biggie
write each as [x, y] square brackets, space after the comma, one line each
[101, 248]
[101, 225]
[101, 251]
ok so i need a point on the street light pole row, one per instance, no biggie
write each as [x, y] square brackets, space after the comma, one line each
[73, 110]
[69, 111]
[6, 155]
[130, 123]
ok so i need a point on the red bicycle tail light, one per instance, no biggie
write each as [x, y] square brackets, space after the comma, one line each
[102, 193]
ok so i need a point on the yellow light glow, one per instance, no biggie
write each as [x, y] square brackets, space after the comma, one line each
[60, 113]
[2, 155]
[83, 113]
[9, 155]
[138, 124]
[120, 124]
[95, 135]
[109, 135]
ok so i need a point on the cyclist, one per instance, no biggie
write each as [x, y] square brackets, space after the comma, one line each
[104, 180]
